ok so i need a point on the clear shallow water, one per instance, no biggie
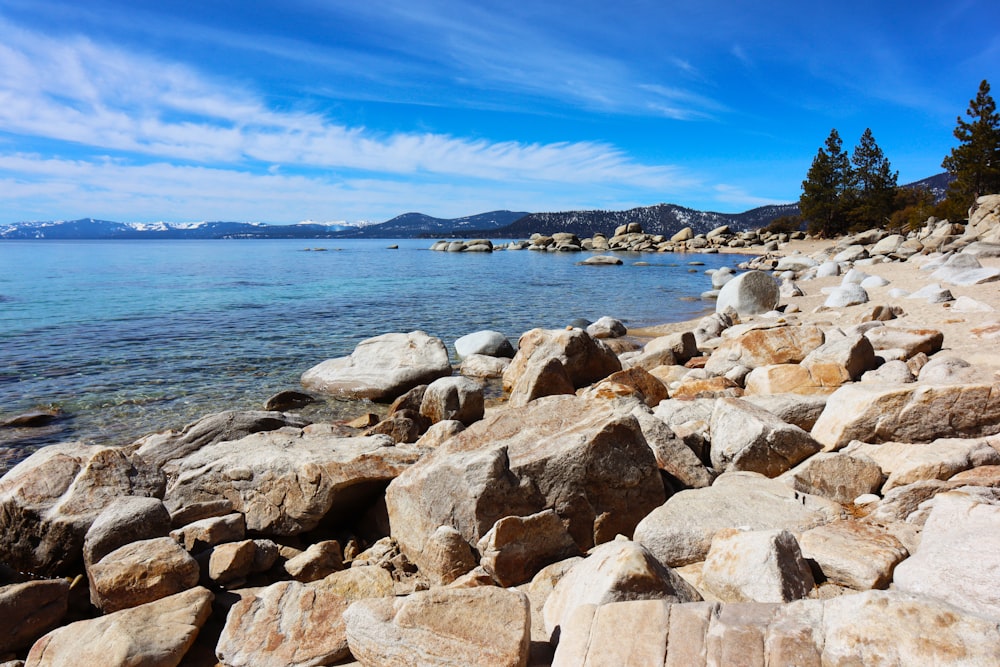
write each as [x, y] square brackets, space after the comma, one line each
[130, 337]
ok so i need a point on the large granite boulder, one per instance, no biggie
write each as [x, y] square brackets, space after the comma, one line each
[614, 572]
[680, 531]
[749, 293]
[486, 626]
[877, 413]
[123, 521]
[381, 368]
[586, 460]
[958, 559]
[285, 483]
[584, 358]
[853, 554]
[159, 448]
[764, 347]
[516, 548]
[488, 343]
[458, 397]
[49, 501]
[154, 634]
[748, 437]
[141, 572]
[756, 566]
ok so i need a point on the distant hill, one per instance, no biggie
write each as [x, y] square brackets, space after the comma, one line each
[417, 224]
[665, 219]
[88, 228]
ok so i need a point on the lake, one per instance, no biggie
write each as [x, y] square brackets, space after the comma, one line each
[130, 337]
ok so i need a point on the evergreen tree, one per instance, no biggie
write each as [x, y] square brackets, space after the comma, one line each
[822, 200]
[975, 162]
[872, 192]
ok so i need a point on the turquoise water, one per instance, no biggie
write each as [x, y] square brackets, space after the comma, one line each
[130, 337]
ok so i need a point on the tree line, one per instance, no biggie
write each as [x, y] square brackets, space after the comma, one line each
[849, 192]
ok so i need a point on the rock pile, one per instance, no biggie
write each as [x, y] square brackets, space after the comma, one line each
[760, 489]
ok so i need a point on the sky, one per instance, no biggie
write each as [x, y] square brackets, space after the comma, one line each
[329, 110]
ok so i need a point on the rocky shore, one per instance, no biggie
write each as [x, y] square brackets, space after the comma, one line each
[808, 476]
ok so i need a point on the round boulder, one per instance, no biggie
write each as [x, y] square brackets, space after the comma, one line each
[749, 293]
[489, 343]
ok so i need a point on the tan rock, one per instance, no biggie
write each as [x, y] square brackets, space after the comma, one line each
[673, 455]
[141, 572]
[232, 561]
[857, 555]
[285, 624]
[483, 366]
[910, 341]
[905, 463]
[737, 634]
[779, 379]
[439, 432]
[596, 634]
[468, 626]
[801, 410]
[713, 387]
[29, 610]
[446, 556]
[457, 397]
[516, 548]
[614, 572]
[651, 388]
[958, 560]
[764, 347]
[318, 561]
[548, 378]
[587, 460]
[151, 635]
[381, 368]
[746, 437]
[585, 359]
[358, 583]
[49, 501]
[840, 361]
[681, 530]
[125, 520]
[688, 632]
[908, 413]
[756, 566]
[205, 533]
[839, 476]
[286, 483]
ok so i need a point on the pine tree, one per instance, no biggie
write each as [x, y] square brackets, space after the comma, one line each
[975, 162]
[872, 190]
[822, 200]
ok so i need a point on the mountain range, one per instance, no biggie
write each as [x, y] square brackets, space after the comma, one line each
[665, 219]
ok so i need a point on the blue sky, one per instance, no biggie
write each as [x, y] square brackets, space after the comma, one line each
[327, 110]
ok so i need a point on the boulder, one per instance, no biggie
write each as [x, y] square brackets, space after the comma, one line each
[151, 635]
[585, 359]
[780, 379]
[908, 413]
[458, 398]
[614, 572]
[749, 293]
[320, 560]
[601, 260]
[487, 343]
[851, 253]
[964, 269]
[286, 483]
[29, 610]
[516, 548]
[650, 388]
[485, 626]
[853, 554]
[837, 476]
[932, 293]
[286, 624]
[984, 220]
[586, 460]
[756, 566]
[141, 572]
[548, 378]
[958, 560]
[839, 361]
[870, 628]
[49, 501]
[888, 245]
[288, 400]
[850, 294]
[680, 531]
[673, 455]
[205, 533]
[446, 556]
[905, 463]
[381, 368]
[763, 347]
[482, 366]
[685, 234]
[161, 448]
[722, 276]
[747, 437]
[606, 327]
[234, 561]
[801, 410]
[123, 521]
